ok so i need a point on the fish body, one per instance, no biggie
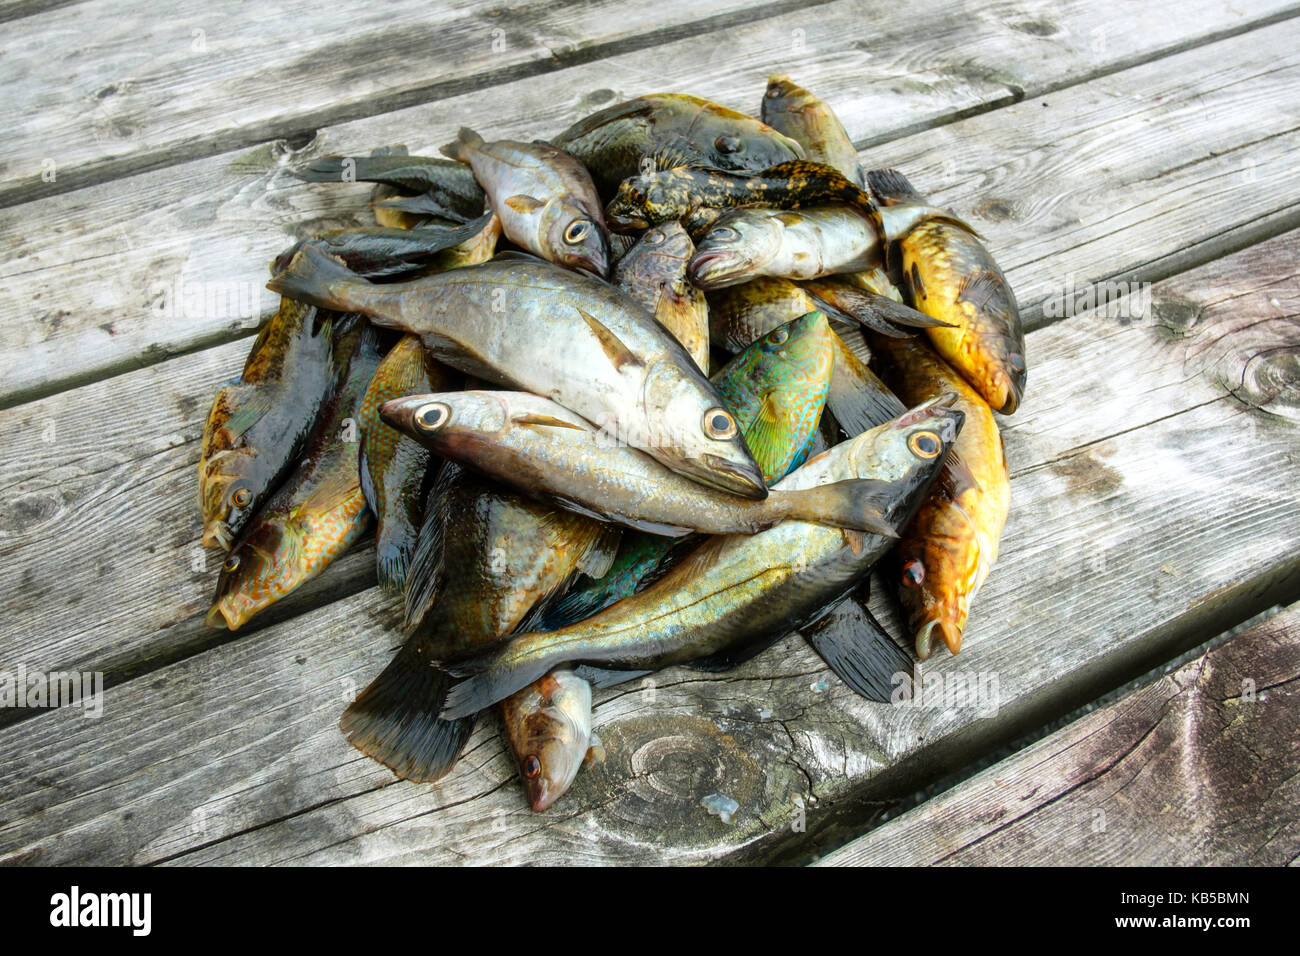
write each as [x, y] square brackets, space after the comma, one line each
[683, 192]
[809, 121]
[613, 142]
[395, 470]
[948, 549]
[548, 727]
[492, 555]
[785, 243]
[950, 275]
[777, 389]
[544, 197]
[547, 451]
[319, 510]
[528, 324]
[260, 423]
[734, 590]
[653, 272]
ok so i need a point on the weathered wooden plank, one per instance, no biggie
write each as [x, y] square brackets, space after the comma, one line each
[1198, 768]
[1047, 191]
[109, 93]
[1151, 505]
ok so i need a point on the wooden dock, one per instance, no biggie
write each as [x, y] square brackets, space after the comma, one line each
[1132, 166]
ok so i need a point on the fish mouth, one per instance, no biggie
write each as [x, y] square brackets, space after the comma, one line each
[739, 478]
[715, 269]
[541, 794]
[620, 222]
[219, 617]
[926, 638]
[216, 534]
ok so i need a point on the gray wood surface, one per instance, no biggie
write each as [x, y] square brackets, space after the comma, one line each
[1134, 428]
[1197, 768]
[1025, 174]
[1154, 460]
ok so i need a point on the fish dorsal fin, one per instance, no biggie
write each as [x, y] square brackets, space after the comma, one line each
[546, 421]
[890, 187]
[613, 346]
[524, 204]
[675, 152]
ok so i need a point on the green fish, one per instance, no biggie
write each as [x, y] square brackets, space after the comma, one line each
[734, 592]
[261, 421]
[776, 388]
[318, 512]
[395, 470]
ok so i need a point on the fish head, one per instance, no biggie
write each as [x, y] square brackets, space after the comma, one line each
[263, 567]
[548, 726]
[696, 434]
[660, 255]
[227, 502]
[938, 574]
[574, 238]
[740, 244]
[647, 199]
[908, 453]
[783, 95]
[452, 423]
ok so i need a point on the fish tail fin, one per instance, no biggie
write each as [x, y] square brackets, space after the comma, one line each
[860, 504]
[395, 720]
[891, 187]
[317, 278]
[860, 652]
[485, 679]
[458, 149]
[858, 399]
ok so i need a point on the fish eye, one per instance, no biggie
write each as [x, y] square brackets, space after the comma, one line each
[431, 417]
[230, 563]
[532, 767]
[913, 573]
[241, 497]
[722, 234]
[925, 444]
[778, 336]
[653, 237]
[719, 424]
[577, 231]
[1016, 361]
[729, 144]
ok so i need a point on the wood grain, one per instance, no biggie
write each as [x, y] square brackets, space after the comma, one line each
[1050, 187]
[1152, 505]
[106, 99]
[1198, 768]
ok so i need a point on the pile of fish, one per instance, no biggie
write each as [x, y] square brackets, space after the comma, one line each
[611, 403]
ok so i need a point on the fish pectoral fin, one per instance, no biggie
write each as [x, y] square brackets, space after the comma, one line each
[984, 289]
[395, 720]
[367, 482]
[764, 436]
[612, 345]
[858, 504]
[599, 556]
[859, 651]
[524, 205]
[546, 421]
